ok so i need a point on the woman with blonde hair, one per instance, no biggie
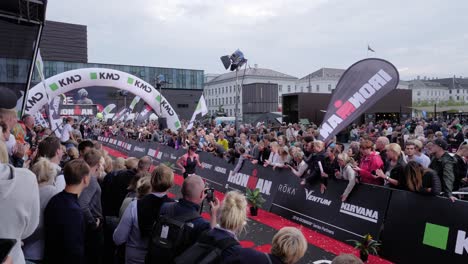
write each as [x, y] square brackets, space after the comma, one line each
[393, 171]
[45, 172]
[118, 164]
[288, 247]
[232, 220]
[346, 173]
[276, 156]
[73, 153]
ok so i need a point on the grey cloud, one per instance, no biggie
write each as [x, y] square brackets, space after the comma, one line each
[295, 37]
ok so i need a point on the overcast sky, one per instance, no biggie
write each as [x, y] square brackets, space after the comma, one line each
[296, 37]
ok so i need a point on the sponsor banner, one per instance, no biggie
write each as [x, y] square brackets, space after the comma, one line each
[326, 212]
[429, 229]
[98, 77]
[78, 110]
[215, 172]
[253, 176]
[361, 86]
[138, 150]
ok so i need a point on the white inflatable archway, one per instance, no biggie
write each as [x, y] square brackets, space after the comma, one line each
[98, 77]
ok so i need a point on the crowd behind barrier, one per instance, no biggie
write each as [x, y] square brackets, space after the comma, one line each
[401, 220]
[319, 184]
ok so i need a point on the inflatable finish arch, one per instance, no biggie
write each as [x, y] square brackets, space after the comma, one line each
[99, 77]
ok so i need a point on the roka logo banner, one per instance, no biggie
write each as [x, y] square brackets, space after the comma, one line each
[361, 86]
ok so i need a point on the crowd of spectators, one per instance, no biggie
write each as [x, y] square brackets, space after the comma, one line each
[66, 201]
[374, 153]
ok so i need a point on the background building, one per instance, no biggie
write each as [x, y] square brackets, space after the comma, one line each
[314, 106]
[220, 91]
[64, 47]
[323, 80]
[257, 99]
[446, 91]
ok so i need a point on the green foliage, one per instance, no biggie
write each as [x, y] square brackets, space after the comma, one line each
[367, 245]
[254, 197]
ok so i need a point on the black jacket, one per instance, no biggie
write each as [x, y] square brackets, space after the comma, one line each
[444, 167]
[114, 190]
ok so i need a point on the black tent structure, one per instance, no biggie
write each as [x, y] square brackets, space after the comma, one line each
[21, 25]
[268, 118]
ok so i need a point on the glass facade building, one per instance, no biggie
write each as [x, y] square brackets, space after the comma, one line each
[15, 71]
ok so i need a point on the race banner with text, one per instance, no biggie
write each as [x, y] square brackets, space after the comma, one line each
[425, 229]
[361, 86]
[326, 213]
[253, 176]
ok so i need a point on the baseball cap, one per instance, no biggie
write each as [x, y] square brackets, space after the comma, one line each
[441, 143]
[8, 98]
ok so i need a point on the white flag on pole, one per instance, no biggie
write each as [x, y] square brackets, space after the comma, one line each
[40, 70]
[201, 109]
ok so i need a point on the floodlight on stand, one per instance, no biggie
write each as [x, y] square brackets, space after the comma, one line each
[235, 61]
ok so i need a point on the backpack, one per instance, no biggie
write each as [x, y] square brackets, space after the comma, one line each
[206, 250]
[170, 236]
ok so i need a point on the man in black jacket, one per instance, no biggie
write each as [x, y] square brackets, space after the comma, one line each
[443, 164]
[315, 162]
[114, 188]
[193, 192]
[63, 218]
[455, 138]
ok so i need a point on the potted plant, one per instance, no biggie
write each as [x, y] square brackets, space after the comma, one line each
[366, 246]
[255, 199]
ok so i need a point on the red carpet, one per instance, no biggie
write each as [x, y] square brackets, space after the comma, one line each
[277, 222]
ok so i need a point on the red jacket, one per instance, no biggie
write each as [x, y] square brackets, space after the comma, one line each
[368, 164]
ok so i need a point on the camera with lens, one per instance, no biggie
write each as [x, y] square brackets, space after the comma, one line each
[209, 195]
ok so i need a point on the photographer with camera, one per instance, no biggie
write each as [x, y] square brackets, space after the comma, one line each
[180, 224]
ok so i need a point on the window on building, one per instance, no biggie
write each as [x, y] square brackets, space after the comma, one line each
[450, 91]
[216, 101]
[317, 88]
[230, 100]
[230, 112]
[329, 87]
[289, 88]
[458, 91]
[12, 71]
[222, 101]
[280, 88]
[458, 97]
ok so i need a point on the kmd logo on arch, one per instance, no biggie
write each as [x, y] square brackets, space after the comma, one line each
[437, 236]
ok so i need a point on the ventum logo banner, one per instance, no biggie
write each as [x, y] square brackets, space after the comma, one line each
[361, 86]
[326, 213]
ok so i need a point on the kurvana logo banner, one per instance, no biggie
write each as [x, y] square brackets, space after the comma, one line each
[96, 78]
[361, 86]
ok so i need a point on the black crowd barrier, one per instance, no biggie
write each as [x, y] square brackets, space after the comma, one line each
[413, 228]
